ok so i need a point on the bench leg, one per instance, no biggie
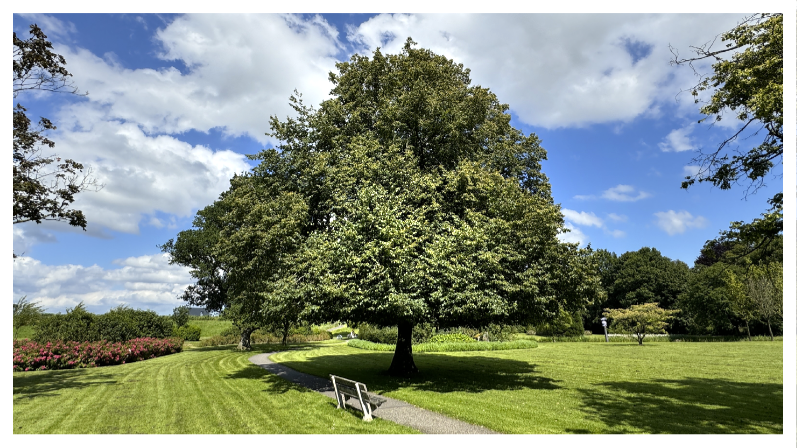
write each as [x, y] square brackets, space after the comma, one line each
[342, 401]
[366, 412]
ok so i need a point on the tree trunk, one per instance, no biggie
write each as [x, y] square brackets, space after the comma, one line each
[285, 330]
[747, 324]
[403, 364]
[771, 336]
[246, 343]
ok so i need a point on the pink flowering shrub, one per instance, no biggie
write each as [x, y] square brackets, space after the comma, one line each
[29, 355]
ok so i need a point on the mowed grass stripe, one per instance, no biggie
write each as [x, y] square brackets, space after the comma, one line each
[198, 391]
[734, 387]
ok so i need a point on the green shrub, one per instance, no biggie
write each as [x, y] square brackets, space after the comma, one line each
[500, 332]
[124, 323]
[117, 325]
[233, 336]
[388, 335]
[383, 335]
[232, 331]
[76, 325]
[422, 333]
[447, 346]
[187, 332]
[450, 337]
[568, 325]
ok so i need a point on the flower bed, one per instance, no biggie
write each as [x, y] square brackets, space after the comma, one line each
[29, 355]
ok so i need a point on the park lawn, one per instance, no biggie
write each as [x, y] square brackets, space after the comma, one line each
[198, 391]
[210, 327]
[666, 387]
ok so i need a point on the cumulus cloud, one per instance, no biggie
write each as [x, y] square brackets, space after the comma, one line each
[589, 219]
[617, 218]
[558, 70]
[678, 140]
[146, 282]
[674, 222]
[143, 174]
[241, 70]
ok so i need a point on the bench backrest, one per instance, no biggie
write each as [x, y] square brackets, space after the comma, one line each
[349, 387]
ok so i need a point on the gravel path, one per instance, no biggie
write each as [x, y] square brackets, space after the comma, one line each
[398, 411]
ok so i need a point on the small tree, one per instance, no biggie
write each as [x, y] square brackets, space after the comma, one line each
[640, 320]
[26, 313]
[742, 304]
[180, 316]
[765, 289]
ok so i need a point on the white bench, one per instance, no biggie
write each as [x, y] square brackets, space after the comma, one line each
[347, 388]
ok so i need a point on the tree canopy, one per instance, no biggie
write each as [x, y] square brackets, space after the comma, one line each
[749, 86]
[640, 320]
[406, 198]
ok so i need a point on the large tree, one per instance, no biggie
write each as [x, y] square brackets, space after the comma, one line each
[645, 276]
[424, 203]
[746, 84]
[44, 185]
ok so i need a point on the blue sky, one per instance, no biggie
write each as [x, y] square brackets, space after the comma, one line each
[176, 101]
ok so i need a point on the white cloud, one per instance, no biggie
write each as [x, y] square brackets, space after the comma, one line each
[241, 70]
[144, 174]
[575, 235]
[51, 26]
[27, 235]
[617, 218]
[559, 70]
[624, 193]
[621, 193]
[678, 140]
[584, 197]
[588, 219]
[146, 282]
[582, 218]
[674, 222]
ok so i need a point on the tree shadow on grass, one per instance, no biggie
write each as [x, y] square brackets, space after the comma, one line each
[687, 406]
[439, 372]
[50, 383]
[273, 383]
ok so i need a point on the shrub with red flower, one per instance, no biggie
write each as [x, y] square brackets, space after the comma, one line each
[29, 355]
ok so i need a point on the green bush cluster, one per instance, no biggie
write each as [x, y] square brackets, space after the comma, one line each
[117, 325]
[568, 325]
[450, 337]
[187, 332]
[379, 335]
[232, 335]
[422, 333]
[447, 346]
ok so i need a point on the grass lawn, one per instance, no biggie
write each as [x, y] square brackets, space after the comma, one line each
[210, 327]
[666, 387]
[207, 390]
